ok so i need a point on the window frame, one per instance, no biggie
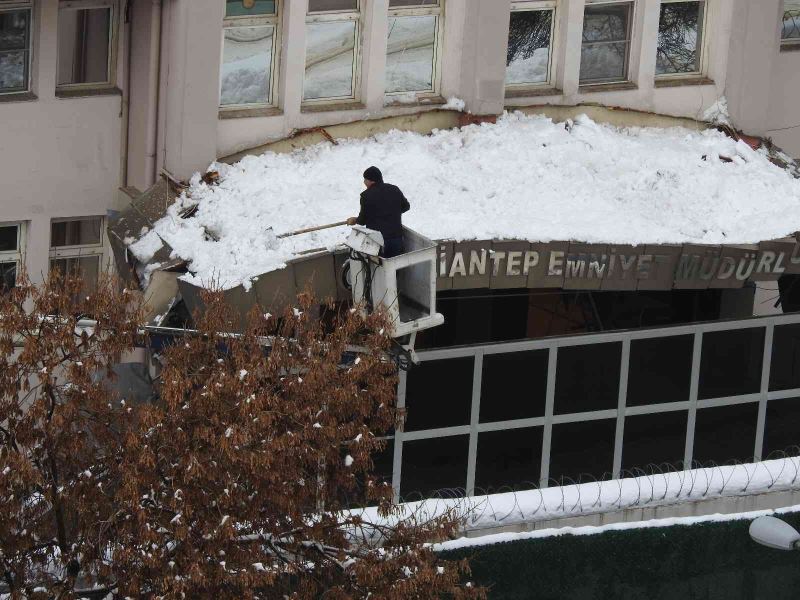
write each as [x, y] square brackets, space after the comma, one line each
[15, 256]
[530, 6]
[333, 16]
[273, 20]
[632, 15]
[702, 59]
[791, 43]
[77, 250]
[437, 11]
[16, 6]
[111, 71]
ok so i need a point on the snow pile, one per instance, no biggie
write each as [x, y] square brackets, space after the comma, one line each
[488, 513]
[717, 113]
[524, 178]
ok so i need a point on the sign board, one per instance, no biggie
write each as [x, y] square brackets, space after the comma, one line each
[505, 264]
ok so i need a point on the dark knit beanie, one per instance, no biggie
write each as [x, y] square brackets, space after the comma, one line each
[373, 174]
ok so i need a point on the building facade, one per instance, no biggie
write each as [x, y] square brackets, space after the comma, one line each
[101, 96]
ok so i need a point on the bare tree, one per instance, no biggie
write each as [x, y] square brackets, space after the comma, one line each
[238, 483]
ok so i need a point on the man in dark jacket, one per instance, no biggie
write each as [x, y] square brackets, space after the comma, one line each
[382, 205]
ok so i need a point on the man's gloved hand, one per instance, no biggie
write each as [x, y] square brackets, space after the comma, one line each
[352, 220]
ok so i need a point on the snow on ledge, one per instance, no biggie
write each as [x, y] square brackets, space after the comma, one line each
[500, 538]
[490, 512]
[524, 178]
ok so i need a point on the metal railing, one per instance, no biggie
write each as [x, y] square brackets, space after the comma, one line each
[550, 417]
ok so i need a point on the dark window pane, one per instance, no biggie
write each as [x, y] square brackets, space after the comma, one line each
[604, 54]
[730, 364]
[433, 465]
[417, 3]
[587, 378]
[528, 56]
[782, 427]
[326, 5]
[680, 31]
[785, 368]
[606, 23]
[80, 232]
[582, 450]
[245, 8]
[791, 20]
[660, 370]
[14, 50]
[654, 440]
[508, 459]
[8, 275]
[83, 45]
[8, 238]
[725, 434]
[514, 386]
[439, 393]
[382, 471]
[85, 267]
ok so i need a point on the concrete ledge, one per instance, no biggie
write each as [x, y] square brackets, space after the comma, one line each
[681, 81]
[332, 107]
[18, 97]
[246, 113]
[87, 92]
[621, 86]
[532, 92]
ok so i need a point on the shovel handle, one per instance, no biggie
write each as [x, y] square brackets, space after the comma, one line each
[310, 229]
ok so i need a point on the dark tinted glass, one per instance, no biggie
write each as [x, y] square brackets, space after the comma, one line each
[785, 368]
[782, 427]
[439, 393]
[508, 460]
[582, 451]
[80, 232]
[653, 440]
[8, 238]
[725, 434]
[433, 465]
[8, 275]
[242, 8]
[660, 370]
[587, 378]
[514, 386]
[329, 5]
[730, 364]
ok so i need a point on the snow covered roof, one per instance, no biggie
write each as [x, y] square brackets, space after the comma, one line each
[524, 178]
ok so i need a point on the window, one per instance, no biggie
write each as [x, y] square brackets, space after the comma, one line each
[332, 50]
[412, 47]
[76, 247]
[15, 46]
[680, 37]
[249, 51]
[605, 49]
[85, 44]
[11, 244]
[790, 31]
[530, 36]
